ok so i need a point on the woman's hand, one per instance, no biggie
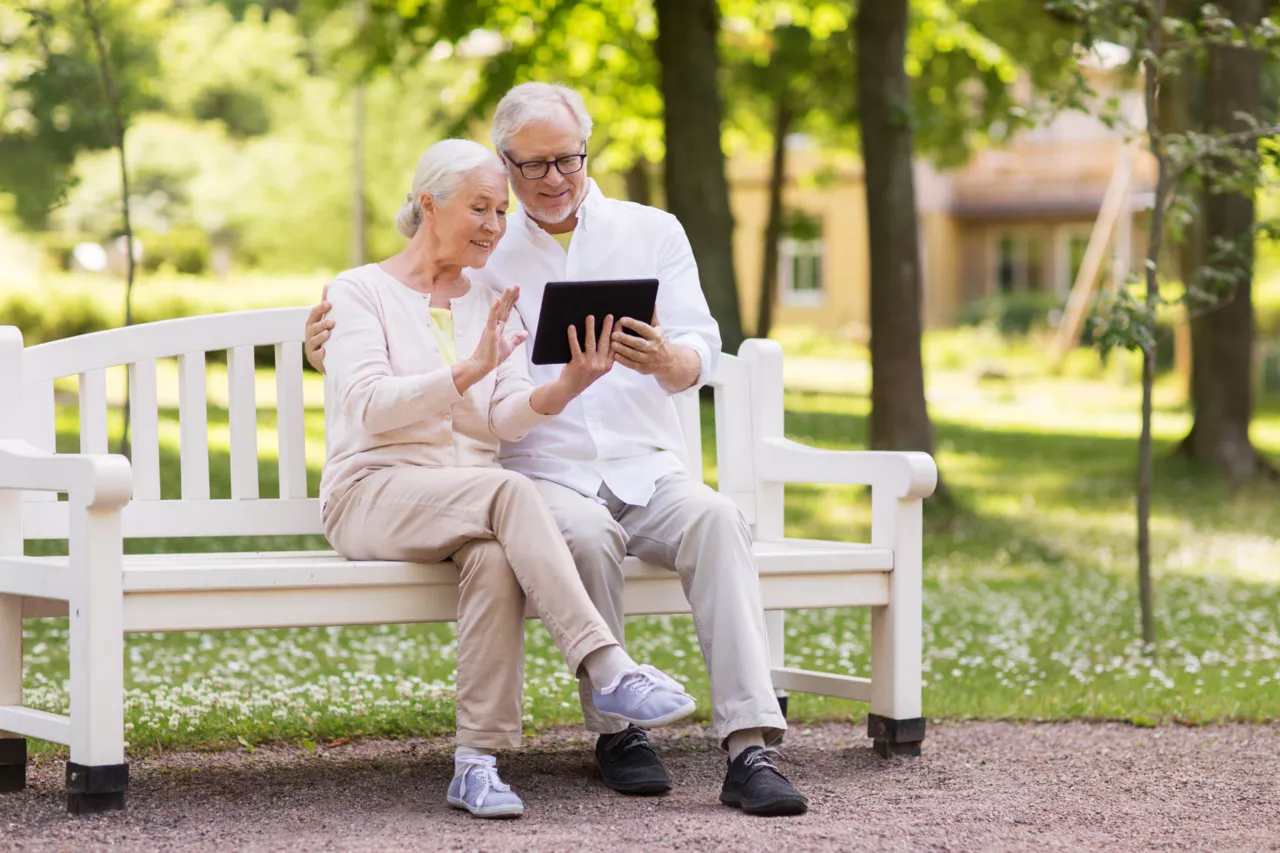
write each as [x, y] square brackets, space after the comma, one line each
[494, 347]
[584, 368]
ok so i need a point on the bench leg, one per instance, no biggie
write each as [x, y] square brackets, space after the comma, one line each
[775, 628]
[97, 776]
[13, 747]
[896, 723]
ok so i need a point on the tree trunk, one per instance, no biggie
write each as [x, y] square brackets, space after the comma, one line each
[1222, 339]
[117, 131]
[697, 189]
[899, 416]
[773, 227]
[639, 187]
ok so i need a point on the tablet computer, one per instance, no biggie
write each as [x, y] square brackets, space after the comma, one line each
[569, 303]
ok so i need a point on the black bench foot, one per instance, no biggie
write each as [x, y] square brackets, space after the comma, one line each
[93, 790]
[13, 764]
[895, 737]
[782, 705]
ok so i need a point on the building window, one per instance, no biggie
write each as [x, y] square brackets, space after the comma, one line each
[800, 256]
[1019, 263]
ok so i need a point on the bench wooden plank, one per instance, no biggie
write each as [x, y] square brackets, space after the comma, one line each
[93, 412]
[243, 416]
[193, 422]
[144, 431]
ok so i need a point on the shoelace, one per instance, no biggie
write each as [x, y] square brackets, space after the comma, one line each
[648, 678]
[632, 738]
[489, 779]
[764, 759]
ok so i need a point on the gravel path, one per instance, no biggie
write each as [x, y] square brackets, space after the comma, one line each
[979, 787]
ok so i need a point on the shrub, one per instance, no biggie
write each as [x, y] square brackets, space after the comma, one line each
[53, 320]
[1012, 313]
[186, 250]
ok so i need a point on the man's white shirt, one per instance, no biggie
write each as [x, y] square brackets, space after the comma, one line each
[623, 431]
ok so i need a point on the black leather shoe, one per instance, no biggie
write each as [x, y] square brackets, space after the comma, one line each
[755, 785]
[629, 765]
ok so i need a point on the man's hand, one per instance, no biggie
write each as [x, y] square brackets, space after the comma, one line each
[318, 331]
[649, 352]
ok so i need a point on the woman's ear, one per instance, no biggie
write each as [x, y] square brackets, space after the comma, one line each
[428, 204]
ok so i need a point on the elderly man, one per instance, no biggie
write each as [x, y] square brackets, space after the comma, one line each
[610, 467]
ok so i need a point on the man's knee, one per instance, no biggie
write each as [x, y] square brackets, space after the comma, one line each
[716, 513]
[595, 540]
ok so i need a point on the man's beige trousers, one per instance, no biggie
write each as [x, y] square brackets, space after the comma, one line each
[701, 535]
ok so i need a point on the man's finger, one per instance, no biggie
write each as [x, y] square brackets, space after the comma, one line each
[639, 326]
[618, 358]
[324, 293]
[631, 353]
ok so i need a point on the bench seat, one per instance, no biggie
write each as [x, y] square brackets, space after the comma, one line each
[285, 589]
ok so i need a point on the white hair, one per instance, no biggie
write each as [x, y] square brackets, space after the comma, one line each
[440, 171]
[532, 101]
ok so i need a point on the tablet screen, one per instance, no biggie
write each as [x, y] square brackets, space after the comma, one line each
[569, 303]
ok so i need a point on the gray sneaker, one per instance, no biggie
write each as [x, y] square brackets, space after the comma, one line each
[644, 697]
[477, 788]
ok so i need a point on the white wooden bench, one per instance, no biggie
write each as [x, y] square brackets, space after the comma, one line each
[109, 499]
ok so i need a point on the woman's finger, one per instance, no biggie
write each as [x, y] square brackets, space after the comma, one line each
[575, 351]
[591, 335]
[606, 337]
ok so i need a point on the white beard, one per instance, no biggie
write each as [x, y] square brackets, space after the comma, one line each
[556, 215]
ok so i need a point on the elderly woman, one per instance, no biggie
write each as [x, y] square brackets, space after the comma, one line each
[428, 373]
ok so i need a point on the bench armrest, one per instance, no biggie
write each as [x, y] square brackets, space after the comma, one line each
[905, 475]
[101, 481]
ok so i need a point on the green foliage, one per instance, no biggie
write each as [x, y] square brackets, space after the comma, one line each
[52, 102]
[183, 250]
[1012, 313]
[44, 321]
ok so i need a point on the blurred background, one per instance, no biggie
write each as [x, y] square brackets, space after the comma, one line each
[968, 182]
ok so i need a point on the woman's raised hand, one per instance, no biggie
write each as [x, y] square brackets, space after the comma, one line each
[495, 346]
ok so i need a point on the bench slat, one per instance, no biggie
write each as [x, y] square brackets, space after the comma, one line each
[243, 416]
[38, 425]
[193, 414]
[144, 431]
[289, 421]
[93, 412]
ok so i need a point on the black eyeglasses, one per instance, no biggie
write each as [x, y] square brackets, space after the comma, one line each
[534, 169]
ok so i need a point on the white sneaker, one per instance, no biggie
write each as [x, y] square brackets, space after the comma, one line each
[644, 696]
[477, 788]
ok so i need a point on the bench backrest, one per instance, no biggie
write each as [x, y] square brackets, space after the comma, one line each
[246, 512]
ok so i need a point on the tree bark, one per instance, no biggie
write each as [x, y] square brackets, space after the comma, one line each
[117, 132]
[1222, 339]
[899, 415]
[773, 227]
[697, 189]
[639, 187]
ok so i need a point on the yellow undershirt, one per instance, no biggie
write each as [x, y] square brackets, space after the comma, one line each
[563, 239]
[442, 325]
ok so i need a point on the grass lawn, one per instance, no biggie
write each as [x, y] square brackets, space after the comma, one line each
[1030, 608]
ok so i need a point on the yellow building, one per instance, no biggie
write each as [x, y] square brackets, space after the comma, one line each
[1015, 219]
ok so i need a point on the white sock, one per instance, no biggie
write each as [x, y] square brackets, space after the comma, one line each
[740, 741]
[470, 752]
[606, 666]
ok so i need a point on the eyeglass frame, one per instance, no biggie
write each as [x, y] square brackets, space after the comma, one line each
[582, 162]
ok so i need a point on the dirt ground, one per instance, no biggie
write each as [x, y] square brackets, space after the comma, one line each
[978, 787]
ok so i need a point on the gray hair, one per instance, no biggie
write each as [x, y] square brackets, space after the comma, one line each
[532, 101]
[440, 171]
